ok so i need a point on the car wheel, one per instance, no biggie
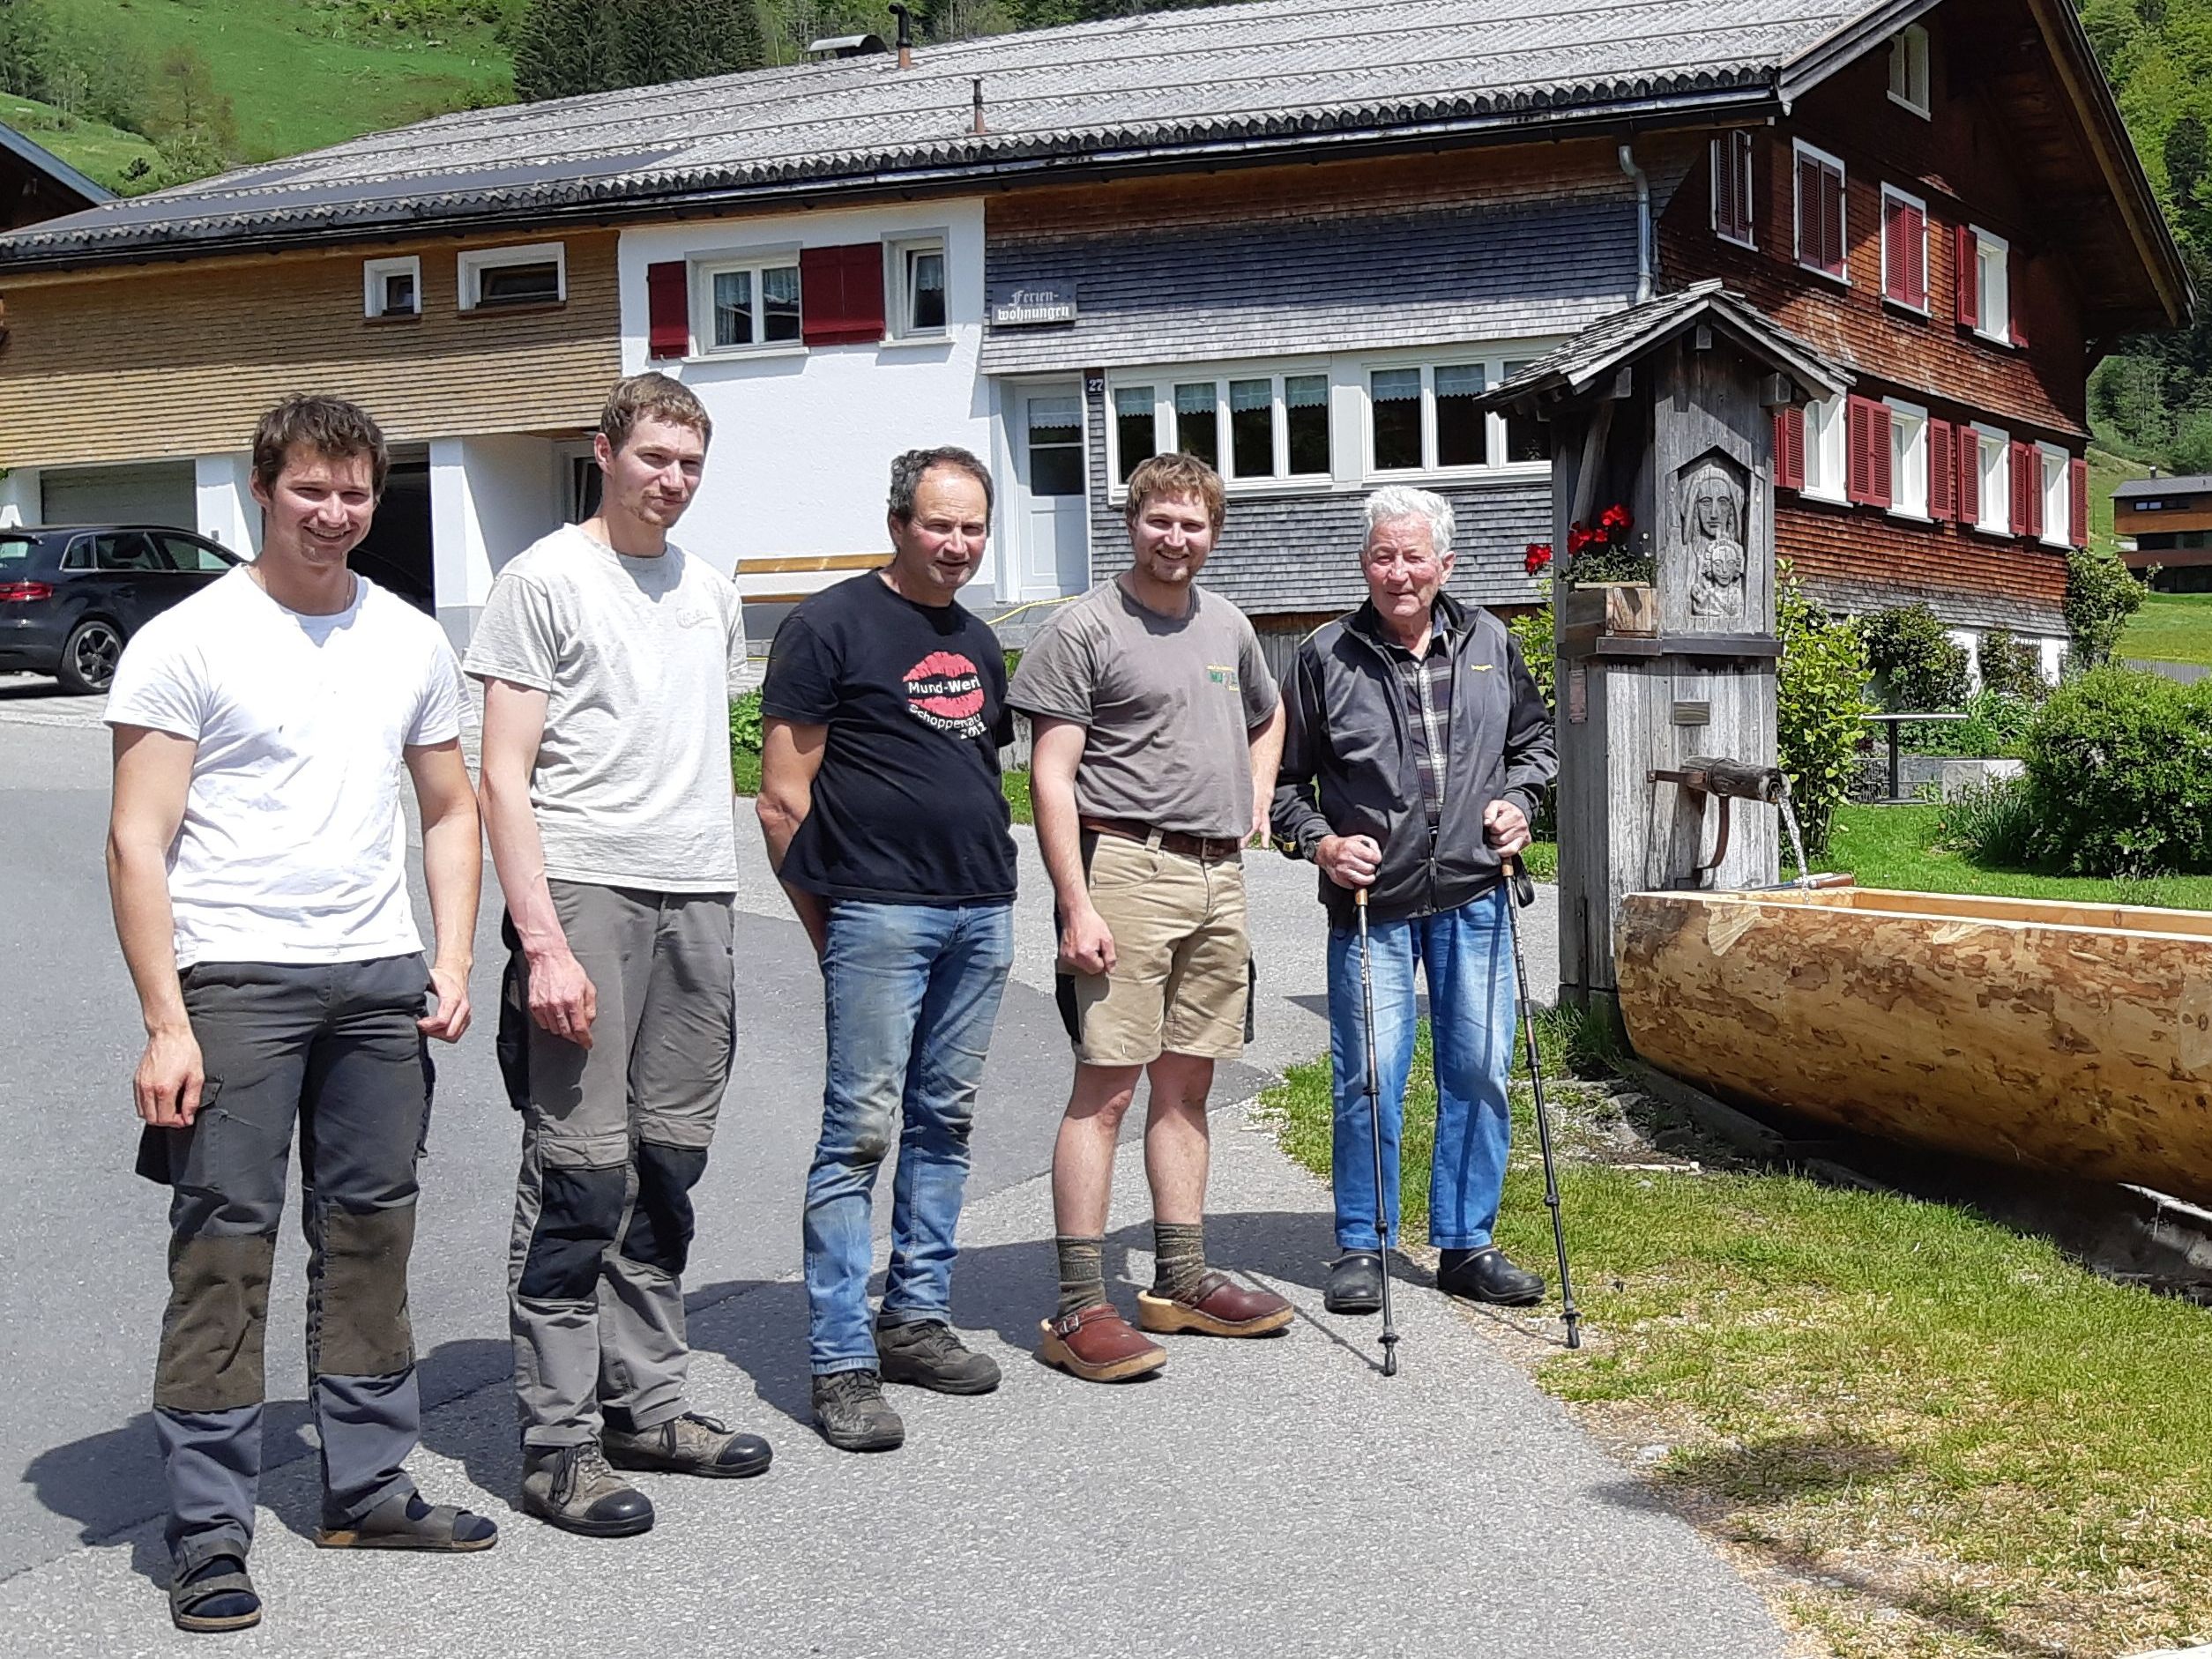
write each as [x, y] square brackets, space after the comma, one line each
[89, 655]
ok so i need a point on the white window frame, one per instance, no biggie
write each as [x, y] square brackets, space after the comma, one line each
[1992, 274]
[2056, 484]
[705, 267]
[1826, 464]
[1994, 467]
[1908, 460]
[1889, 193]
[476, 261]
[1911, 77]
[373, 275]
[1492, 362]
[1164, 379]
[1741, 137]
[1798, 147]
[897, 310]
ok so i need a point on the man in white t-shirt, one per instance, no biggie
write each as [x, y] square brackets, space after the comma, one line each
[607, 655]
[256, 856]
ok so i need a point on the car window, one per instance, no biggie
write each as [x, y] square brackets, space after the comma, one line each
[186, 553]
[127, 551]
[79, 556]
[16, 552]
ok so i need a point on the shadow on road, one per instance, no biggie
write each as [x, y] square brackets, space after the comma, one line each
[32, 688]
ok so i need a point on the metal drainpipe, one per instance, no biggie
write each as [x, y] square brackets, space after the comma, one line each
[1643, 220]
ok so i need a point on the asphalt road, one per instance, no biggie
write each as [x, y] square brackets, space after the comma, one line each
[1271, 1498]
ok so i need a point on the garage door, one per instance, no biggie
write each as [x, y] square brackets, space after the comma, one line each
[160, 493]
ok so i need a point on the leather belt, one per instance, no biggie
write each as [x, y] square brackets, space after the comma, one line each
[1205, 849]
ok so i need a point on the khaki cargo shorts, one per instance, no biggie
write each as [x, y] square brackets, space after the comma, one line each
[1181, 980]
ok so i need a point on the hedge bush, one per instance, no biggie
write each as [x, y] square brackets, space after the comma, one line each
[745, 725]
[1822, 705]
[1922, 668]
[1532, 632]
[2009, 668]
[2101, 594]
[1993, 823]
[1996, 724]
[2119, 775]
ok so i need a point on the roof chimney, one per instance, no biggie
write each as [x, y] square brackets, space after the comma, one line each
[978, 128]
[905, 36]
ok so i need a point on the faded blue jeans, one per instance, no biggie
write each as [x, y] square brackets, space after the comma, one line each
[1467, 957]
[910, 993]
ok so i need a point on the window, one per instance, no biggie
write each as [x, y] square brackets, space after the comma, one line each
[129, 551]
[1732, 210]
[1525, 439]
[391, 288]
[1904, 249]
[1135, 429]
[750, 305]
[1462, 437]
[1909, 69]
[1306, 423]
[1993, 450]
[1055, 445]
[1420, 419]
[187, 554]
[1198, 421]
[1252, 428]
[2058, 507]
[1821, 221]
[1985, 285]
[1395, 419]
[1908, 460]
[534, 275]
[1824, 449]
[918, 280]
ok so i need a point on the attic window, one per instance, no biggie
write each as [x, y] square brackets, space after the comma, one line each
[391, 288]
[535, 273]
[1909, 69]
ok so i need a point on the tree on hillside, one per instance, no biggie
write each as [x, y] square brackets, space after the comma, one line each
[566, 46]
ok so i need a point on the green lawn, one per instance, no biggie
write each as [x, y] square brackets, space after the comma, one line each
[100, 151]
[745, 764]
[2171, 628]
[2107, 473]
[1893, 847]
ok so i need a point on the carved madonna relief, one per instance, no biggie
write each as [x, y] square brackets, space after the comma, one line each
[1710, 506]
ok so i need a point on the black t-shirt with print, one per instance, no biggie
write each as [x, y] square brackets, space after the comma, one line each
[907, 807]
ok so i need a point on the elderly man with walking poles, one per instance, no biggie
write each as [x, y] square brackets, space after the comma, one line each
[1416, 748]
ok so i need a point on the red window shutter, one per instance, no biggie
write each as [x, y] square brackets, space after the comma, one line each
[668, 310]
[1943, 470]
[1968, 276]
[2015, 296]
[1893, 249]
[2016, 477]
[1789, 448]
[1915, 223]
[841, 295]
[2026, 490]
[1732, 175]
[1858, 482]
[1832, 220]
[1969, 480]
[1882, 491]
[1809, 243]
[2077, 495]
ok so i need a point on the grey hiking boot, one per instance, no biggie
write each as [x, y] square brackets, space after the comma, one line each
[926, 1354]
[572, 1488]
[850, 1408]
[688, 1444]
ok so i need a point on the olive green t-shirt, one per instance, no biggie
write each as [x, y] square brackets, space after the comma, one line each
[1168, 703]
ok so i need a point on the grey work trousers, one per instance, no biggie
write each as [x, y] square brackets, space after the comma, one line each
[334, 1048]
[613, 1139]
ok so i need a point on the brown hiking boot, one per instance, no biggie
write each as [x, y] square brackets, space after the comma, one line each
[689, 1445]
[1217, 1306]
[1098, 1345]
[572, 1488]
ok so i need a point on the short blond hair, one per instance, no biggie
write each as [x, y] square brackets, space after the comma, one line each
[638, 396]
[1173, 474]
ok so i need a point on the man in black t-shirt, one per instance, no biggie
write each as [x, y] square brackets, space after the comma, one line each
[885, 711]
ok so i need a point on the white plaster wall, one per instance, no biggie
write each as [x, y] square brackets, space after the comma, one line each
[222, 490]
[803, 440]
[1970, 641]
[490, 497]
[2054, 658]
[19, 498]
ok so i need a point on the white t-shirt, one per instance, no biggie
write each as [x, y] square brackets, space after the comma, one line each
[293, 848]
[638, 659]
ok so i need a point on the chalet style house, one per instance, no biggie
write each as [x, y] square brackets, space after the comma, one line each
[1300, 238]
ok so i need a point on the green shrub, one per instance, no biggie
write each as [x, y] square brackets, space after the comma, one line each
[1996, 724]
[1822, 704]
[1922, 668]
[1532, 632]
[745, 726]
[2009, 668]
[2119, 770]
[1993, 824]
[2101, 594]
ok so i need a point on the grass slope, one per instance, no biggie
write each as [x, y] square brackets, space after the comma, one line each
[302, 74]
[2107, 473]
[2171, 628]
[1894, 847]
[93, 148]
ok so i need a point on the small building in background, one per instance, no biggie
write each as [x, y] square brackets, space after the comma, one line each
[2165, 526]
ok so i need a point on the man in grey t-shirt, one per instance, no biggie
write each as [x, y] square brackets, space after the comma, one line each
[607, 655]
[1158, 733]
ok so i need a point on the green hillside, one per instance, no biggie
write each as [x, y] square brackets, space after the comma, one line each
[102, 152]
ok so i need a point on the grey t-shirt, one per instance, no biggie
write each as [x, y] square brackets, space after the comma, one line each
[636, 658]
[1169, 703]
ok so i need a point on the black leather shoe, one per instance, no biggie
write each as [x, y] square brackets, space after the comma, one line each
[1355, 1283]
[1487, 1276]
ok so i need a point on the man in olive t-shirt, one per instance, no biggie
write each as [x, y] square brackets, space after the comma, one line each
[1158, 733]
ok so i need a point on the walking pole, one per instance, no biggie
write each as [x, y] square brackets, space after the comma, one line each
[1375, 1130]
[1522, 891]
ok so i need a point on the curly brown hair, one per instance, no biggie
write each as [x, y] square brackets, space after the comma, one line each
[1176, 473]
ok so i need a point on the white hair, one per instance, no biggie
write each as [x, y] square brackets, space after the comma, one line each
[1394, 502]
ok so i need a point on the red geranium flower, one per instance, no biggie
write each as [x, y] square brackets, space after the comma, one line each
[1578, 537]
[1614, 518]
[1540, 556]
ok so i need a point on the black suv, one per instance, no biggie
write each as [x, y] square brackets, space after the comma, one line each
[70, 595]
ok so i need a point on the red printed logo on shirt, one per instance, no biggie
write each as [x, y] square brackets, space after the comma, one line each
[946, 694]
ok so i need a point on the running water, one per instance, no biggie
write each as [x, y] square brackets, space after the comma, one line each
[1797, 841]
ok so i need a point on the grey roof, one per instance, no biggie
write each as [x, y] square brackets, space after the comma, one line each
[44, 160]
[2193, 484]
[1577, 367]
[1268, 76]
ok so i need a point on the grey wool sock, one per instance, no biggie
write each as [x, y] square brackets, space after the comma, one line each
[1082, 1273]
[1178, 1256]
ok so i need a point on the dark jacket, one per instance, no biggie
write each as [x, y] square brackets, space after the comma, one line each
[1348, 766]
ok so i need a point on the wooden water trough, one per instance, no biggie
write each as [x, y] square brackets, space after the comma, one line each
[2068, 1036]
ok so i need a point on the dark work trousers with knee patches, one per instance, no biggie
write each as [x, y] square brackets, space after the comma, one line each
[334, 1049]
[613, 1139]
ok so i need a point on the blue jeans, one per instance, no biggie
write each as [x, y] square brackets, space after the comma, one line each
[1467, 955]
[910, 992]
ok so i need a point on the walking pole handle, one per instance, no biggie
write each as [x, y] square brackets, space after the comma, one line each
[1523, 888]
